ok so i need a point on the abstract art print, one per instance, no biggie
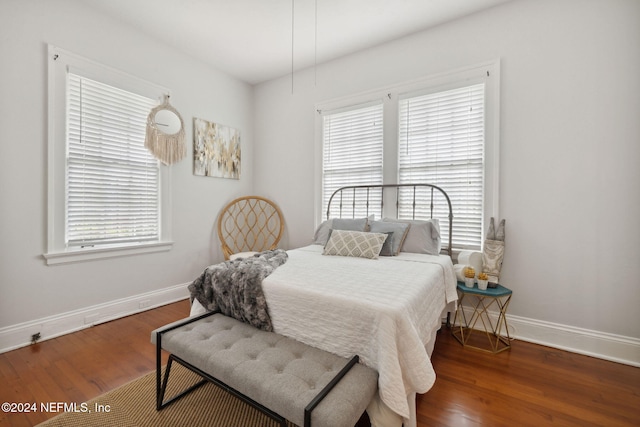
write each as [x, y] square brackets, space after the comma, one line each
[216, 150]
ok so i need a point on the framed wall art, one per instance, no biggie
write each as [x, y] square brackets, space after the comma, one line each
[216, 150]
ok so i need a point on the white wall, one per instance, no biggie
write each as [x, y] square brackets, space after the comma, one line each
[570, 144]
[30, 290]
[570, 147]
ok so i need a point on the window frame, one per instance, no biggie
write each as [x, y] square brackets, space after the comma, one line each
[59, 63]
[487, 72]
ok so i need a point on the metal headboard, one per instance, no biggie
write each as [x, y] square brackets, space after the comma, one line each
[357, 199]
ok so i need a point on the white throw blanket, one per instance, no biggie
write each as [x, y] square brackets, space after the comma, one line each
[384, 310]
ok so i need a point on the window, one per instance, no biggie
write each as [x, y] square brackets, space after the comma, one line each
[441, 130]
[112, 180]
[107, 193]
[441, 141]
[352, 153]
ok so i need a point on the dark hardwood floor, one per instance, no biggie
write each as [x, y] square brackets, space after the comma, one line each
[530, 385]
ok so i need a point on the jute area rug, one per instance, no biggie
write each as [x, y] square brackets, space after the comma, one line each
[134, 405]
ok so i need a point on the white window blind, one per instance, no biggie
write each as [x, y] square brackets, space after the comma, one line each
[112, 182]
[441, 142]
[352, 155]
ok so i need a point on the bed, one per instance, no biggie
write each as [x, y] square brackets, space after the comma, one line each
[385, 308]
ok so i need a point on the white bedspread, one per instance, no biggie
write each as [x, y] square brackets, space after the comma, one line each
[384, 310]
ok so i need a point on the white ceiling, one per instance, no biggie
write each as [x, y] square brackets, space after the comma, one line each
[252, 39]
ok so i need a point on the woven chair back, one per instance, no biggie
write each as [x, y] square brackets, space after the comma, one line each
[249, 224]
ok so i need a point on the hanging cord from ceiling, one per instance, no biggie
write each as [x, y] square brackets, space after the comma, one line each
[293, 22]
[315, 44]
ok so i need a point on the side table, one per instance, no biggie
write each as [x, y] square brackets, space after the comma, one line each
[466, 328]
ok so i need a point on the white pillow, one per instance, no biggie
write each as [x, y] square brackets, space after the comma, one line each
[323, 231]
[354, 244]
[395, 240]
[423, 236]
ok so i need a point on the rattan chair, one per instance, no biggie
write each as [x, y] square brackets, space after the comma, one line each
[248, 225]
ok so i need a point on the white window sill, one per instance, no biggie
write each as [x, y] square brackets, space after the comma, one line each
[88, 254]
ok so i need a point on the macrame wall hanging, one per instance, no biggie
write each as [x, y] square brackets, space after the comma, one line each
[165, 133]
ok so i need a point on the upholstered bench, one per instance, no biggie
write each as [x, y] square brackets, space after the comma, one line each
[280, 376]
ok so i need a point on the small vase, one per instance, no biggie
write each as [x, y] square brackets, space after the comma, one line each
[482, 284]
[468, 282]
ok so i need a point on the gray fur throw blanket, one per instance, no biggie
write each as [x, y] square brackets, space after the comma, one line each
[235, 287]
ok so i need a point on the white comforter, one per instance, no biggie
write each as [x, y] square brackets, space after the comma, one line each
[384, 310]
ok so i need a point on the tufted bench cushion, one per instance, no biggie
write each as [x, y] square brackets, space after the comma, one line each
[279, 373]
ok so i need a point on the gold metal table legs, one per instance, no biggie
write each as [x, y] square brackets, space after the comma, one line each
[481, 327]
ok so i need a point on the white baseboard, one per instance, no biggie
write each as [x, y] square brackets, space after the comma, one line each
[19, 335]
[602, 345]
[612, 347]
[616, 348]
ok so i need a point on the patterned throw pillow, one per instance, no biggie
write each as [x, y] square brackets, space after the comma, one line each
[354, 244]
